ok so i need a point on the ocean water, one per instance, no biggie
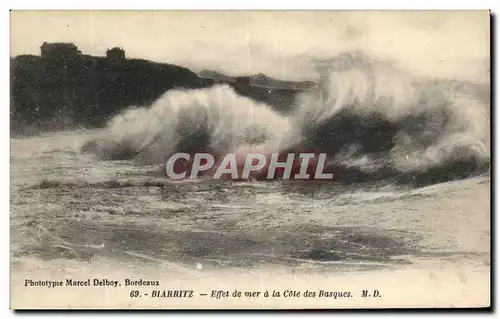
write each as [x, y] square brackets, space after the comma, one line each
[412, 199]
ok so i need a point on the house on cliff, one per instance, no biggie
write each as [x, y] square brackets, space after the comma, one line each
[115, 54]
[53, 50]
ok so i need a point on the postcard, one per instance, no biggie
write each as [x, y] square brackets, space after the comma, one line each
[250, 159]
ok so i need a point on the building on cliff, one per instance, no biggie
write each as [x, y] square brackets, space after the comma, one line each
[51, 50]
[115, 54]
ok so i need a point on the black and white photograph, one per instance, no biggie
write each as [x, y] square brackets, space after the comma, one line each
[250, 159]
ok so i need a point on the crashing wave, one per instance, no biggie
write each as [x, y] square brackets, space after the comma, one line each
[373, 119]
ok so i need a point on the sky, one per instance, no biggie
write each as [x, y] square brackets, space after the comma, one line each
[281, 44]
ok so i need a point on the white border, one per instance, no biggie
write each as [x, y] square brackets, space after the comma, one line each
[184, 4]
[256, 5]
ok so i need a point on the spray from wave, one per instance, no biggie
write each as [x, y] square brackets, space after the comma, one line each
[374, 120]
[214, 120]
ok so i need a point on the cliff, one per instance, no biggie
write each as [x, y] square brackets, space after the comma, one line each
[259, 80]
[53, 92]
